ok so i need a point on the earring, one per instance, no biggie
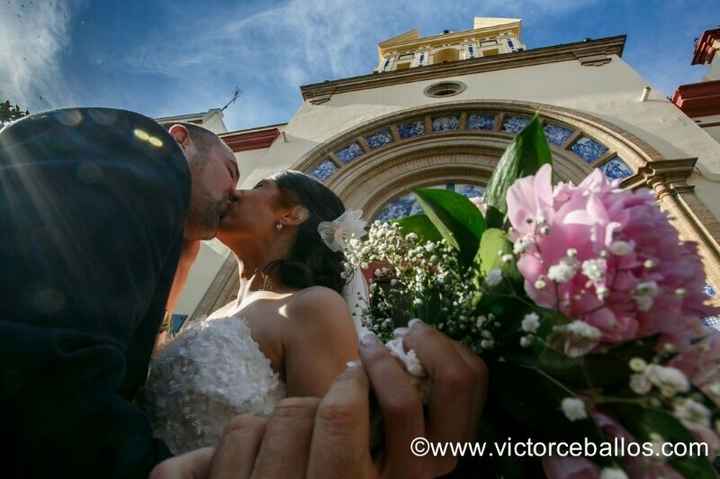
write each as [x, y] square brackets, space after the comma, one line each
[279, 226]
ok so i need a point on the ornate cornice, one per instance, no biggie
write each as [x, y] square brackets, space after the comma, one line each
[706, 46]
[253, 140]
[698, 99]
[665, 177]
[536, 56]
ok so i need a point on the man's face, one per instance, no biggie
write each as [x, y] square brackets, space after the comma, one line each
[213, 185]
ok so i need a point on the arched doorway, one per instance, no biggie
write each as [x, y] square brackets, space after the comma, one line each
[381, 161]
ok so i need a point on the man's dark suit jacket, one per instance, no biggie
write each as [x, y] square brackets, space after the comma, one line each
[92, 207]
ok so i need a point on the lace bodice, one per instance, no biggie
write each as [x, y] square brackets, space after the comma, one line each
[209, 373]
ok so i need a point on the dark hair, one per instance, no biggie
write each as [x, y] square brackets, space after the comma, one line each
[310, 262]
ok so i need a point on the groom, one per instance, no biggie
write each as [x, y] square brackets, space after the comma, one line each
[101, 213]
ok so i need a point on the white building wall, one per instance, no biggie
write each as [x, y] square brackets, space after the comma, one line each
[611, 91]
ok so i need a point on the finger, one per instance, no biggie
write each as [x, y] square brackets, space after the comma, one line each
[186, 466]
[401, 407]
[480, 372]
[238, 448]
[341, 439]
[453, 389]
[286, 443]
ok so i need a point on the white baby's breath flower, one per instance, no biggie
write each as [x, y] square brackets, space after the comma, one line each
[670, 380]
[640, 384]
[594, 269]
[691, 412]
[494, 277]
[563, 271]
[577, 338]
[526, 341]
[506, 258]
[530, 323]
[487, 343]
[540, 283]
[638, 365]
[644, 294]
[522, 244]
[612, 473]
[574, 409]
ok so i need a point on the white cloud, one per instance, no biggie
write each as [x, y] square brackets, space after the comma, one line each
[274, 51]
[32, 37]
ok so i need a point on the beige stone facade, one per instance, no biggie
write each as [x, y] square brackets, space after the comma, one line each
[353, 134]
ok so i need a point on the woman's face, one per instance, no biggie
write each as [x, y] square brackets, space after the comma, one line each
[255, 212]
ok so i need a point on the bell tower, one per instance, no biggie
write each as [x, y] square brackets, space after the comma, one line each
[489, 36]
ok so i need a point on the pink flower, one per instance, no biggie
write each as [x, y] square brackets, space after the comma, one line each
[606, 256]
[570, 468]
[701, 363]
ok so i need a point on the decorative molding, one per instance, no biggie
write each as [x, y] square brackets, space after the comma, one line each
[469, 156]
[698, 99]
[253, 140]
[594, 60]
[535, 56]
[706, 46]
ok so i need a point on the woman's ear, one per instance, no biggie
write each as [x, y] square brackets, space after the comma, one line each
[296, 215]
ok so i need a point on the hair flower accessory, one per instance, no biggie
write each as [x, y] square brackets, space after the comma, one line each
[335, 234]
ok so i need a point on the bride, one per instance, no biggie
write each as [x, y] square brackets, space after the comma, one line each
[288, 333]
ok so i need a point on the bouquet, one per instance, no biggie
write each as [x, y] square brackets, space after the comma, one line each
[583, 302]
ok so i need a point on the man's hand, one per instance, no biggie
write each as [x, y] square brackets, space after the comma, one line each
[192, 465]
[458, 388]
[310, 438]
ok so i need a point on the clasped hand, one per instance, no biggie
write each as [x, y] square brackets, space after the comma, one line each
[330, 437]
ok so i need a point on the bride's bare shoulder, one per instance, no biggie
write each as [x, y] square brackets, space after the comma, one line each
[224, 311]
[317, 302]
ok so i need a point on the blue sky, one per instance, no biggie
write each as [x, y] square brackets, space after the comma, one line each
[170, 57]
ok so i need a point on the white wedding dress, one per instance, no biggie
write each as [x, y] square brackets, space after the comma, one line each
[211, 372]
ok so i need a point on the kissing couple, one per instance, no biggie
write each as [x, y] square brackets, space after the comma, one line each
[101, 216]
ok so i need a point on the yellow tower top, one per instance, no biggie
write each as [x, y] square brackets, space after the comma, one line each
[489, 36]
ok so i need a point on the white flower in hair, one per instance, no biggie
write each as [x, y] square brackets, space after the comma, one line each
[335, 234]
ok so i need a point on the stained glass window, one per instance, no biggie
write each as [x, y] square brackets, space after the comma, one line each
[324, 170]
[615, 168]
[588, 149]
[407, 205]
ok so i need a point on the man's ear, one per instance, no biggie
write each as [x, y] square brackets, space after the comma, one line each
[296, 215]
[181, 135]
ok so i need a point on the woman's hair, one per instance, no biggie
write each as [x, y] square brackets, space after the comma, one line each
[310, 262]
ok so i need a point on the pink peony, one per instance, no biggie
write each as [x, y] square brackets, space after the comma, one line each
[701, 363]
[606, 256]
[570, 468]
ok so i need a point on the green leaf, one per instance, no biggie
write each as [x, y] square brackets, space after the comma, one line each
[494, 218]
[493, 245]
[523, 157]
[642, 422]
[534, 399]
[456, 218]
[421, 226]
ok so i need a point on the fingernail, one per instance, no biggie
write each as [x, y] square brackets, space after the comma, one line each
[415, 321]
[369, 340]
[353, 364]
[400, 332]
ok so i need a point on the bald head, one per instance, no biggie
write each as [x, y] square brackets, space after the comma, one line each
[214, 173]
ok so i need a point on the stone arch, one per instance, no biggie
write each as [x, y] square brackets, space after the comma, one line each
[462, 141]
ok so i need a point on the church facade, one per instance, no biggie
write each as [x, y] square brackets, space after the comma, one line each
[439, 110]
